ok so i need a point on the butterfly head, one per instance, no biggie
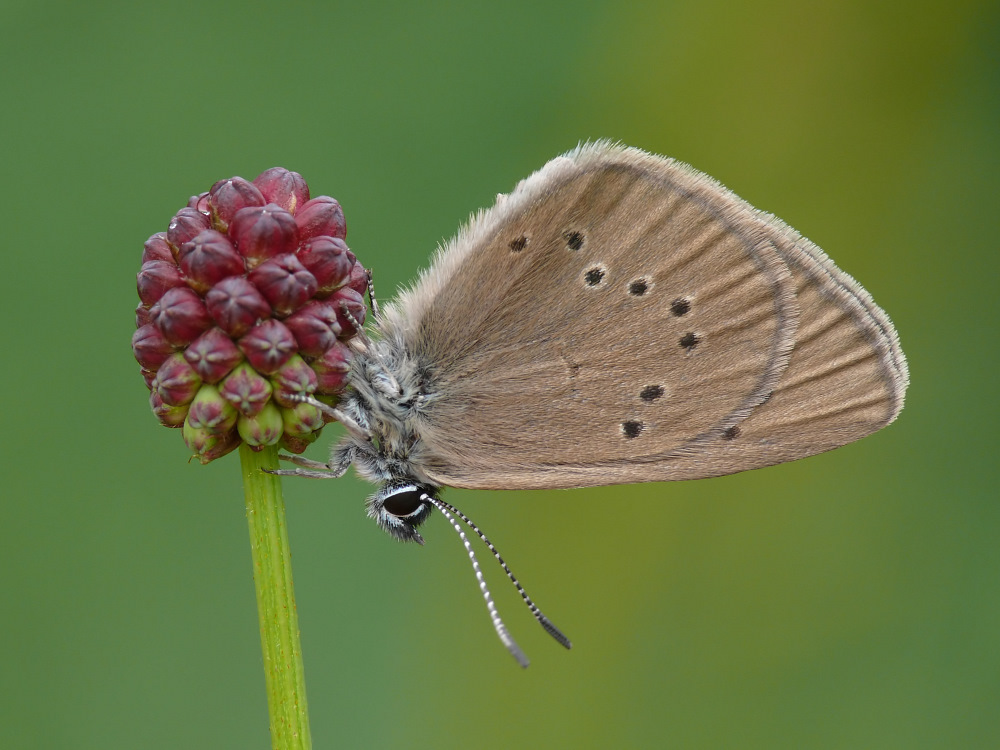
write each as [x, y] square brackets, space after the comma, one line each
[400, 506]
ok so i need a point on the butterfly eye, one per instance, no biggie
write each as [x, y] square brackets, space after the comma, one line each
[400, 508]
[405, 503]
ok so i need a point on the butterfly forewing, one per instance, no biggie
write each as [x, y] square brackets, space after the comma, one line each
[612, 314]
[621, 317]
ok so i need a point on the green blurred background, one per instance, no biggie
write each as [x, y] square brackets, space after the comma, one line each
[850, 600]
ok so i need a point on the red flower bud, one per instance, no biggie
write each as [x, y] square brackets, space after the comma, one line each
[264, 428]
[155, 278]
[298, 444]
[150, 348]
[211, 412]
[284, 282]
[301, 419]
[169, 416]
[199, 203]
[284, 188]
[176, 381]
[294, 378]
[229, 196]
[213, 355]
[359, 279]
[206, 445]
[235, 305]
[268, 346]
[315, 328]
[207, 259]
[321, 216]
[329, 260]
[186, 225]
[332, 368]
[180, 315]
[246, 389]
[346, 300]
[263, 232]
[157, 248]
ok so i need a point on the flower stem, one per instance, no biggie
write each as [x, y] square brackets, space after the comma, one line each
[279, 622]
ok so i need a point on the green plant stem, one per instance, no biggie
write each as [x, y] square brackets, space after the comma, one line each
[279, 622]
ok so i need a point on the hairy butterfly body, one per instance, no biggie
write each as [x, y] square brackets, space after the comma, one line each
[618, 317]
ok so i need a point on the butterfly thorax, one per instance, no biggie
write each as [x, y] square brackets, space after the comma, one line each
[387, 393]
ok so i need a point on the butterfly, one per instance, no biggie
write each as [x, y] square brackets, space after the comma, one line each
[618, 317]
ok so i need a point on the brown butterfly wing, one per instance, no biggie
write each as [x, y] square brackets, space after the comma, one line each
[847, 375]
[618, 318]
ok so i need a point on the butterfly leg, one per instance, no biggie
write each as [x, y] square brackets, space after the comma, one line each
[350, 424]
[309, 474]
[359, 331]
[307, 462]
[313, 469]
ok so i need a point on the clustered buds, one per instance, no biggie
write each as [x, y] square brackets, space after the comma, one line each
[247, 301]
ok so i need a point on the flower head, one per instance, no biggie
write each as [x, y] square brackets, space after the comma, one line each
[245, 303]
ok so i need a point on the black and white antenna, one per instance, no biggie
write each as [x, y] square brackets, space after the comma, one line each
[505, 637]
